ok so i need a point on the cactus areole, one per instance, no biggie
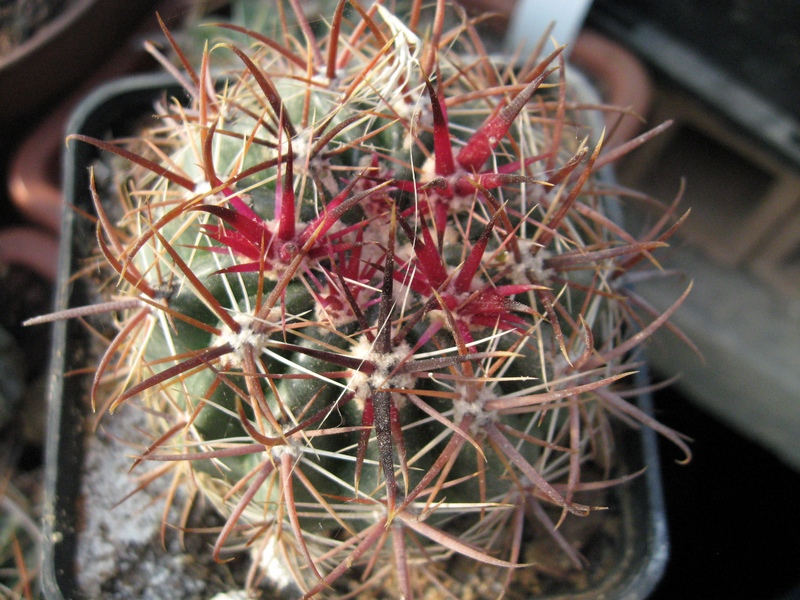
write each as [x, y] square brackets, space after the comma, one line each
[374, 296]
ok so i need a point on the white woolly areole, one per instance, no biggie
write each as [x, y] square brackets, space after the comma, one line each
[301, 148]
[428, 171]
[477, 407]
[294, 448]
[245, 338]
[459, 202]
[364, 385]
[531, 263]
[299, 145]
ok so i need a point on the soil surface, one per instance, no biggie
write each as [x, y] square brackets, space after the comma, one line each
[120, 552]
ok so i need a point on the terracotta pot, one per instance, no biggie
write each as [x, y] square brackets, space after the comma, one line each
[34, 172]
[31, 248]
[63, 52]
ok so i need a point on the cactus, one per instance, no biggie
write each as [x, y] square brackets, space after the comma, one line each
[373, 296]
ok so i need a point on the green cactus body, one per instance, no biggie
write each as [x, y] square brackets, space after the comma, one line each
[380, 294]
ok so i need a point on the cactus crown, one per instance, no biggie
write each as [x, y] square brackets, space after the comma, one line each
[376, 295]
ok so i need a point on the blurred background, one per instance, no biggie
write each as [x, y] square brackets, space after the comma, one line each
[727, 73]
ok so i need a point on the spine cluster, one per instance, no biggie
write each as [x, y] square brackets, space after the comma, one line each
[375, 296]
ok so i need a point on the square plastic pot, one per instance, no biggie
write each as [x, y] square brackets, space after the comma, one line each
[113, 109]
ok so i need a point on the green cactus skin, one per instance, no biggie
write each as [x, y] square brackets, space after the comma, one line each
[382, 303]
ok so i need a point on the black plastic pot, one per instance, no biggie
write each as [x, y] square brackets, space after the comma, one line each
[114, 107]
